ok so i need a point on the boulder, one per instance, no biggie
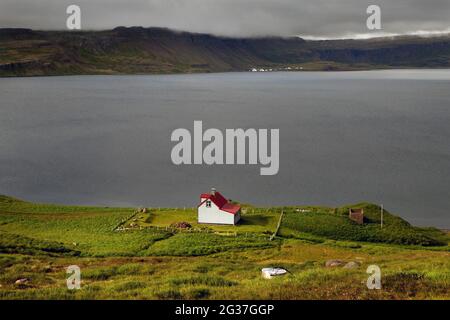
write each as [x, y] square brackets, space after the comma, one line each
[351, 265]
[334, 263]
[22, 281]
[181, 225]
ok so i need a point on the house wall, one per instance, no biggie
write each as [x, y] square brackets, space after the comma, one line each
[214, 215]
[237, 217]
[358, 217]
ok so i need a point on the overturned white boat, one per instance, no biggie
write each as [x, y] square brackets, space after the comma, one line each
[269, 273]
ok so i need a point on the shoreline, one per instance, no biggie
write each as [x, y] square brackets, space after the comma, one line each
[223, 72]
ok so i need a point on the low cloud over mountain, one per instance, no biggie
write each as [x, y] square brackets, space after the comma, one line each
[318, 18]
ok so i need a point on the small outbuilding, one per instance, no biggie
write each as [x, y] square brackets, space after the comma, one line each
[216, 209]
[356, 215]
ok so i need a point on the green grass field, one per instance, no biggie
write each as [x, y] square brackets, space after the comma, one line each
[149, 259]
[334, 224]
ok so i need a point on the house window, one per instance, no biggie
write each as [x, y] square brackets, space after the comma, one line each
[208, 203]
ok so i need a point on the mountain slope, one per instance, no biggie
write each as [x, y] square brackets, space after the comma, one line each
[136, 50]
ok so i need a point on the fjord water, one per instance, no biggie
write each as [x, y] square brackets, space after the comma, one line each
[345, 137]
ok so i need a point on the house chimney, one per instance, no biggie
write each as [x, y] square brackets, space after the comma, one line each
[213, 191]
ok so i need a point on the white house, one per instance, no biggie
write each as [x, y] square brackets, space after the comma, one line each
[216, 209]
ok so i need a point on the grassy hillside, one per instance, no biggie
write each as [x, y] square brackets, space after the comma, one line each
[137, 50]
[335, 224]
[125, 254]
[92, 231]
[86, 230]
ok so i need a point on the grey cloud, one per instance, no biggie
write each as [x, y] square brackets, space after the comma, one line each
[320, 18]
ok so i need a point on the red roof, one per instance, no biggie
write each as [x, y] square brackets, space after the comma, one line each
[220, 201]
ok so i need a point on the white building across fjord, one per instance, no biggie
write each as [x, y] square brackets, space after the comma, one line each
[216, 209]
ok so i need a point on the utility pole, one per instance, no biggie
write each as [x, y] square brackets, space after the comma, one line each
[382, 215]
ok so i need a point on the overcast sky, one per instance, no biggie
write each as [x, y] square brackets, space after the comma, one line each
[317, 18]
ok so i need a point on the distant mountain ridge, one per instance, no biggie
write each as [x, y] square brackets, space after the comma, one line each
[137, 50]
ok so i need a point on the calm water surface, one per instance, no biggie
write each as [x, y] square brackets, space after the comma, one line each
[380, 136]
